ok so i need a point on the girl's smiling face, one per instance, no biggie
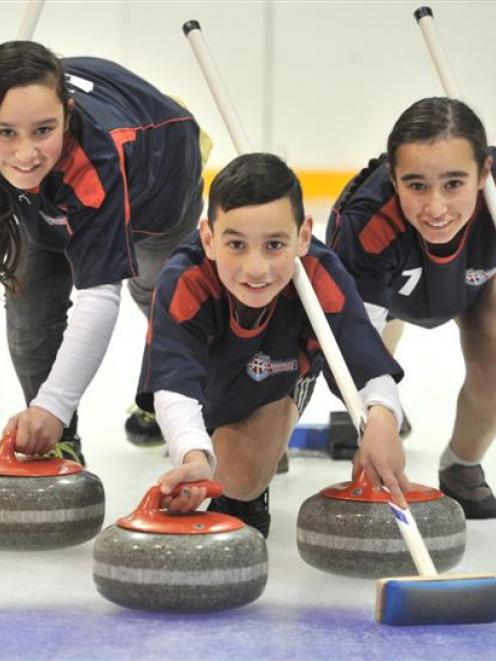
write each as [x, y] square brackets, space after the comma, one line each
[32, 127]
[437, 183]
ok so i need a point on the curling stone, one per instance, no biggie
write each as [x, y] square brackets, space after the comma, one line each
[203, 561]
[349, 529]
[46, 503]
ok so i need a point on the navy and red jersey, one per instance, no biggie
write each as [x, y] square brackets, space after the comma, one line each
[391, 263]
[130, 167]
[196, 348]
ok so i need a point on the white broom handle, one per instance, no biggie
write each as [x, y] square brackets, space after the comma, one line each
[329, 346]
[425, 20]
[30, 20]
[309, 299]
[193, 32]
[413, 539]
[311, 303]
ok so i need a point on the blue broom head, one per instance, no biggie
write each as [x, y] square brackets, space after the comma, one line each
[421, 600]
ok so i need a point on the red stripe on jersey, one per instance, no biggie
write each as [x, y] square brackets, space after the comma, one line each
[149, 330]
[330, 296]
[149, 337]
[193, 288]
[82, 177]
[382, 228]
[146, 233]
[120, 137]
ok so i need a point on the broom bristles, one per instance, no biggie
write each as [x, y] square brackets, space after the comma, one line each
[422, 600]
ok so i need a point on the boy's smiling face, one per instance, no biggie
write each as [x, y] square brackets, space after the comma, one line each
[255, 248]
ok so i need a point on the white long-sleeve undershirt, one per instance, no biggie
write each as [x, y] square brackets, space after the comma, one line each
[389, 391]
[86, 339]
[181, 421]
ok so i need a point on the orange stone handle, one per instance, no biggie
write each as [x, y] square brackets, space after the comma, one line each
[149, 507]
[7, 450]
[11, 466]
[360, 490]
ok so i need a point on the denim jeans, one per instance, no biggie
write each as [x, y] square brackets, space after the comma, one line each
[37, 314]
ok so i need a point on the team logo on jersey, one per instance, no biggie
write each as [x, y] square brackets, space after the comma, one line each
[477, 277]
[262, 366]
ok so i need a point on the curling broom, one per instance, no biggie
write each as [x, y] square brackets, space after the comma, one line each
[412, 600]
[430, 598]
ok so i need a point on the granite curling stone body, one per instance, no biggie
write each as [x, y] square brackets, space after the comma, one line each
[46, 503]
[203, 561]
[348, 529]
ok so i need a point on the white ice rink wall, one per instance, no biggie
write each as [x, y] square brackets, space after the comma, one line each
[319, 83]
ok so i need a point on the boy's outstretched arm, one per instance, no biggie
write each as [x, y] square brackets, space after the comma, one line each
[190, 448]
[381, 454]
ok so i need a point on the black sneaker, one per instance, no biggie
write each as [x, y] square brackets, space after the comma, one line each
[67, 448]
[254, 513]
[467, 485]
[142, 428]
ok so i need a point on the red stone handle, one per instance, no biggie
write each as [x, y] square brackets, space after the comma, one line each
[360, 490]
[153, 497]
[7, 450]
[148, 512]
[149, 518]
[11, 466]
[362, 481]
[214, 489]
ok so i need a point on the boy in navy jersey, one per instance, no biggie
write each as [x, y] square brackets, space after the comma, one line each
[100, 178]
[231, 357]
[418, 238]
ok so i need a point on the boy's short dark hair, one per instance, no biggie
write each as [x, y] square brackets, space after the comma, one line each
[255, 178]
